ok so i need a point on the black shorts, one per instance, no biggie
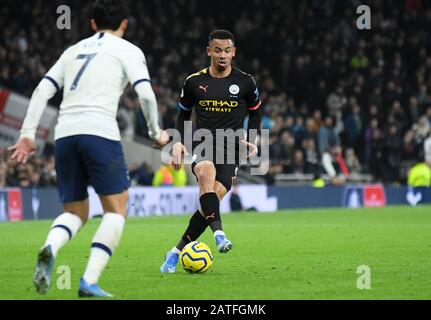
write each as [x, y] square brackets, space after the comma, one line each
[225, 173]
[226, 169]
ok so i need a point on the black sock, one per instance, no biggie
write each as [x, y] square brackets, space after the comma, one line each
[196, 227]
[211, 208]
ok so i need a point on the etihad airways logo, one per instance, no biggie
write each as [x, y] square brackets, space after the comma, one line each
[218, 103]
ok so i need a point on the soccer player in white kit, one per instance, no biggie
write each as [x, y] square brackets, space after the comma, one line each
[93, 74]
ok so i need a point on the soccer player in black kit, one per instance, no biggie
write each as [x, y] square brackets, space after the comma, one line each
[222, 97]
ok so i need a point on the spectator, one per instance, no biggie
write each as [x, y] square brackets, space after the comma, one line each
[329, 141]
[180, 176]
[421, 129]
[163, 177]
[140, 175]
[409, 146]
[423, 97]
[168, 176]
[368, 137]
[413, 109]
[336, 101]
[298, 129]
[360, 60]
[353, 125]
[392, 155]
[235, 200]
[330, 149]
[287, 146]
[298, 162]
[352, 162]
[419, 175]
[311, 157]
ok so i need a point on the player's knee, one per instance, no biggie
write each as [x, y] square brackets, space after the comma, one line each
[115, 203]
[206, 173]
[80, 209]
[116, 207]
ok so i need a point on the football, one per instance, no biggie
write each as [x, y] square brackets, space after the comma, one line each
[196, 257]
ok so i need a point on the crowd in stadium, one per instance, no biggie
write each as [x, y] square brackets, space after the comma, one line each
[363, 96]
[40, 172]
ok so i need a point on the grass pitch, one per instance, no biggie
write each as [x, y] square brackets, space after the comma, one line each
[303, 254]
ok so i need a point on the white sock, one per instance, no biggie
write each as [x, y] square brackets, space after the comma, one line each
[176, 250]
[63, 229]
[104, 243]
[219, 233]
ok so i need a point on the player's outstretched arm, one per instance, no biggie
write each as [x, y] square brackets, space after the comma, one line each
[48, 86]
[26, 146]
[148, 103]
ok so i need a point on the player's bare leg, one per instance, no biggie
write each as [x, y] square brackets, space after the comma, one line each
[116, 203]
[104, 243]
[63, 229]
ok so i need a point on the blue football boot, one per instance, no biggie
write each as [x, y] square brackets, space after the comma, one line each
[223, 244]
[44, 266]
[170, 263]
[91, 290]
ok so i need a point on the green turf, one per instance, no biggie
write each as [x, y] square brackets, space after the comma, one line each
[303, 254]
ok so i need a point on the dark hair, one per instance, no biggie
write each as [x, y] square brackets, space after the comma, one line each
[221, 34]
[108, 14]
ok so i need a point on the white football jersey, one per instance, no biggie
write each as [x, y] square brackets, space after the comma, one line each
[93, 74]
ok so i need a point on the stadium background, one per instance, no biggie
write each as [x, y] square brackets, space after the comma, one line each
[310, 61]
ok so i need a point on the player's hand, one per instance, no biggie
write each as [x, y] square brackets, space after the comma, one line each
[162, 141]
[23, 149]
[178, 152]
[252, 147]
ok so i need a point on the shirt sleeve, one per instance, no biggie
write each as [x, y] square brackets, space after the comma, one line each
[55, 75]
[148, 102]
[187, 100]
[39, 99]
[252, 97]
[48, 86]
[135, 65]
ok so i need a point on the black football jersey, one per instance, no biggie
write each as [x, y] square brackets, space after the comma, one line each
[220, 103]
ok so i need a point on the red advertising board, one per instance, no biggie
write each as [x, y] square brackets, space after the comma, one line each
[374, 196]
[15, 205]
